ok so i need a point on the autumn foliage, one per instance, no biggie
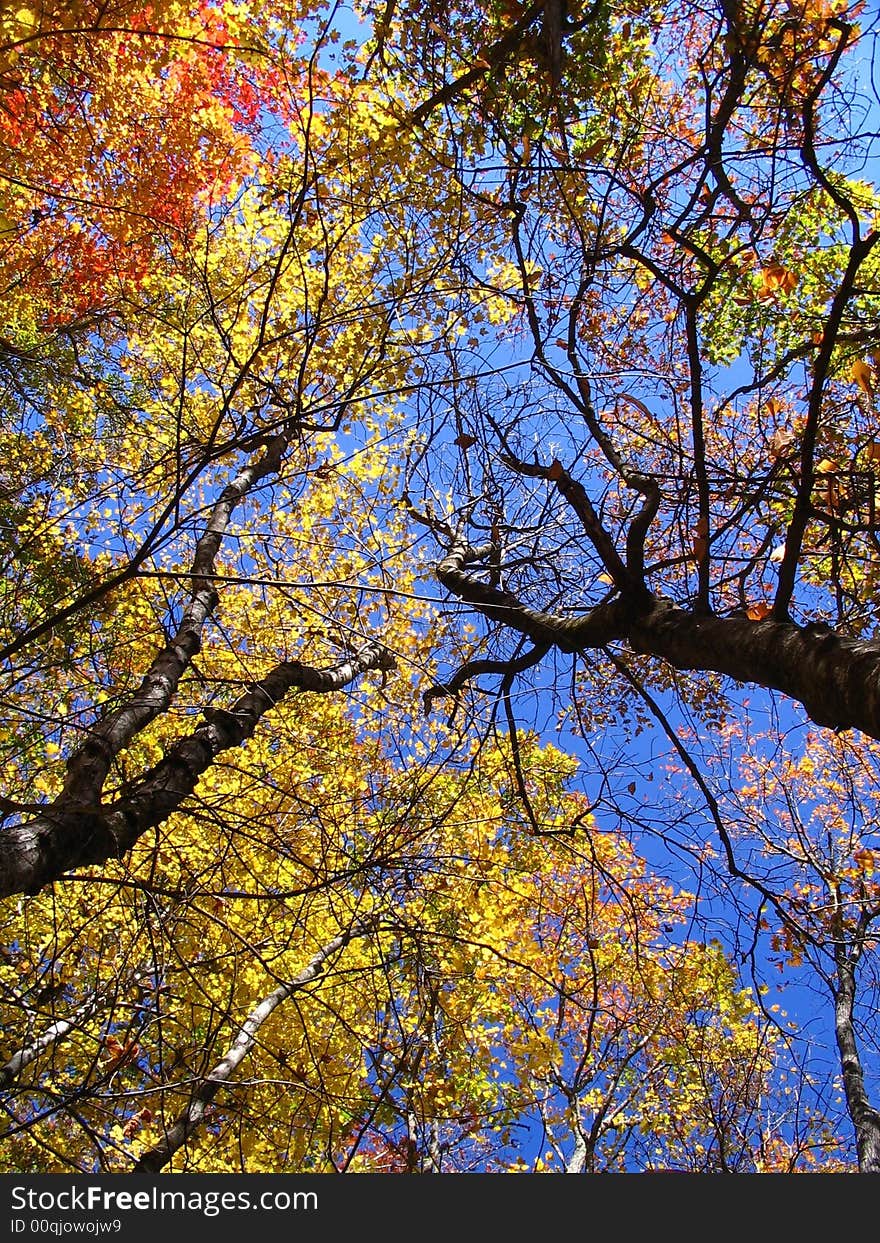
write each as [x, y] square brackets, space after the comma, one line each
[439, 521]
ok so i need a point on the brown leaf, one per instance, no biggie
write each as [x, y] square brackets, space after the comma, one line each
[594, 149]
[781, 441]
[464, 441]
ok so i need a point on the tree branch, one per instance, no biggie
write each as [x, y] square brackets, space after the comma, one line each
[188, 1121]
[835, 679]
[74, 833]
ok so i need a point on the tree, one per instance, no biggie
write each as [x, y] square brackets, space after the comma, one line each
[524, 342]
[417, 983]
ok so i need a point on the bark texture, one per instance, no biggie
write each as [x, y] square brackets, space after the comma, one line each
[836, 679]
[865, 1118]
[188, 1121]
[76, 831]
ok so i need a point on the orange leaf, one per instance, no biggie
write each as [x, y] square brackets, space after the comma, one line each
[701, 547]
[832, 496]
[759, 611]
[863, 374]
[865, 860]
[639, 405]
[777, 279]
[872, 451]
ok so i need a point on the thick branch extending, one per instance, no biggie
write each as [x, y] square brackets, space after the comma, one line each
[836, 679]
[11, 1069]
[72, 833]
[88, 767]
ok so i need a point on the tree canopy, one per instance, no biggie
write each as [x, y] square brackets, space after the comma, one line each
[439, 514]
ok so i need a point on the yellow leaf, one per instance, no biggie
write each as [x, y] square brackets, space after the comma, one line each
[826, 466]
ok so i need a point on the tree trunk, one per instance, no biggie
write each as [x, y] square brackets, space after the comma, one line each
[866, 1119]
